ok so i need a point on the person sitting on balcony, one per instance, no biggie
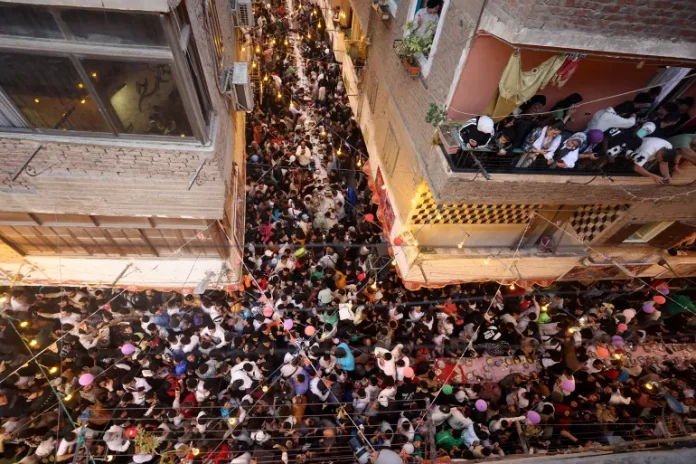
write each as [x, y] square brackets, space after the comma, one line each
[619, 141]
[569, 153]
[477, 132]
[622, 117]
[525, 119]
[543, 141]
[644, 101]
[502, 141]
[564, 109]
[685, 105]
[658, 149]
[666, 125]
[685, 145]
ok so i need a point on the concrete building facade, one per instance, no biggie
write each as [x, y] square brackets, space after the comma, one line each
[122, 158]
[449, 223]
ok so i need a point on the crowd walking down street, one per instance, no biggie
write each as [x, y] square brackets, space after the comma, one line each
[322, 355]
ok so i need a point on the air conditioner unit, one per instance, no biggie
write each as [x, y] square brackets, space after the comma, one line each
[243, 14]
[236, 84]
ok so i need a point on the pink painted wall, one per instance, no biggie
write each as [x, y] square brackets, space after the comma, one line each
[594, 78]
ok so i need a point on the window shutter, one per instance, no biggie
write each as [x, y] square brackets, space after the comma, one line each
[623, 233]
[672, 235]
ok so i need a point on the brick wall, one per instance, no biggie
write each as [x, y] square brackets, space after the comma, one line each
[664, 19]
[101, 179]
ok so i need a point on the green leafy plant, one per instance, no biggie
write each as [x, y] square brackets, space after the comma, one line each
[436, 115]
[413, 44]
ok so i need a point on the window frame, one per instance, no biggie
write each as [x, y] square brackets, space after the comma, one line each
[657, 227]
[171, 54]
[427, 63]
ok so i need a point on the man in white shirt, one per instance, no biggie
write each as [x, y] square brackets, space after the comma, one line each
[654, 148]
[426, 19]
[622, 117]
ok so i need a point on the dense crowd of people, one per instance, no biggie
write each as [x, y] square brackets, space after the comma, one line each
[627, 136]
[323, 356]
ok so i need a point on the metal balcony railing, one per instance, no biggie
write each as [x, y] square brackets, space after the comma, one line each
[489, 162]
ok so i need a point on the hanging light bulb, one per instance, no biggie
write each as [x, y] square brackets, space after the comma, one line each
[545, 308]
[292, 105]
[571, 330]
[265, 78]
[253, 64]
[36, 100]
[285, 42]
[24, 324]
[258, 49]
[649, 386]
[3, 299]
[80, 85]
[67, 397]
[309, 35]
[383, 186]
[83, 101]
[359, 163]
[486, 261]
[33, 343]
[374, 285]
[393, 262]
[195, 451]
[243, 48]
[53, 370]
[460, 245]
[94, 75]
[617, 355]
[265, 388]
[109, 458]
[339, 151]
[512, 286]
[415, 243]
[319, 26]
[280, 95]
[232, 420]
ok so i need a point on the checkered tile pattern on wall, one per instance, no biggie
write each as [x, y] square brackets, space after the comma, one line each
[590, 220]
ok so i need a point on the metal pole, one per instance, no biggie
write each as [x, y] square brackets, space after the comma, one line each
[431, 431]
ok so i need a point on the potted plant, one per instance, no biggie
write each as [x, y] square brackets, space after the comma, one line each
[413, 46]
[436, 115]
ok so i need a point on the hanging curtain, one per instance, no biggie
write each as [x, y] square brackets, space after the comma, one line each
[517, 86]
[668, 79]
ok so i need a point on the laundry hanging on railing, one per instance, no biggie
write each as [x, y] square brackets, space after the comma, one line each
[566, 71]
[517, 86]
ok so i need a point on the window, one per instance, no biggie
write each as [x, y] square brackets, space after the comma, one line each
[110, 27]
[431, 23]
[390, 151]
[143, 96]
[647, 232]
[66, 78]
[28, 21]
[49, 93]
[77, 235]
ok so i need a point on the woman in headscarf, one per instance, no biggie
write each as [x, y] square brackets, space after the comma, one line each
[569, 153]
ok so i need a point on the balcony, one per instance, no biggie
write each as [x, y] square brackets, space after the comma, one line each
[486, 162]
[481, 176]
